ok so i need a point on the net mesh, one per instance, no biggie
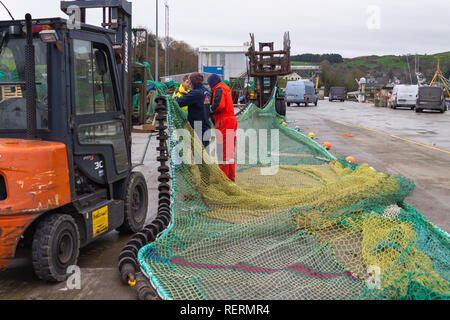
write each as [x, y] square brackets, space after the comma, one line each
[317, 229]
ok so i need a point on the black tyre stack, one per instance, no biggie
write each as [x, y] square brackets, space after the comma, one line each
[128, 262]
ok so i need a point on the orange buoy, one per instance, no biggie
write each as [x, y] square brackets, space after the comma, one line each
[350, 160]
[327, 145]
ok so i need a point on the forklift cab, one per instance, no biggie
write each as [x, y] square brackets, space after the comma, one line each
[71, 175]
[78, 100]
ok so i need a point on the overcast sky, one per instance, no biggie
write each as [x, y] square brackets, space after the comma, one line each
[349, 27]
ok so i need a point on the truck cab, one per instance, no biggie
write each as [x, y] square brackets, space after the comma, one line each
[337, 93]
[431, 98]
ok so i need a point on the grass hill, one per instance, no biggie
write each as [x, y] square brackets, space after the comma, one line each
[385, 69]
[302, 63]
[388, 66]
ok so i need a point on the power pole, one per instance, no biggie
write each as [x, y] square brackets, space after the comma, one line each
[409, 68]
[415, 64]
[157, 46]
[167, 41]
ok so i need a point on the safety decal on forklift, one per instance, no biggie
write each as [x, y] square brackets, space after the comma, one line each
[100, 221]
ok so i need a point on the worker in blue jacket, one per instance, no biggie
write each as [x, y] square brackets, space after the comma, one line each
[198, 101]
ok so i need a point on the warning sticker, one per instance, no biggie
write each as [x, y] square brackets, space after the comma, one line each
[100, 221]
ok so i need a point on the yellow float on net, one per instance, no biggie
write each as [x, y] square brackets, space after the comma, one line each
[312, 135]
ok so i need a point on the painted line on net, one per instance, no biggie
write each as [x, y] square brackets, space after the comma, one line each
[378, 131]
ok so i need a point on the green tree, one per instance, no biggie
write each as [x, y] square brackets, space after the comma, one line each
[182, 57]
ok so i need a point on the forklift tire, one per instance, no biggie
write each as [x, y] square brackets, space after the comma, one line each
[280, 107]
[136, 204]
[55, 247]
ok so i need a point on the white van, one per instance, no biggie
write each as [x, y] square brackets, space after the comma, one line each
[301, 92]
[404, 95]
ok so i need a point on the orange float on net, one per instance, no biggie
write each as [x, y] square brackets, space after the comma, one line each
[350, 160]
[327, 145]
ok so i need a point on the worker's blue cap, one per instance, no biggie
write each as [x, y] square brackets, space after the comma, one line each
[214, 80]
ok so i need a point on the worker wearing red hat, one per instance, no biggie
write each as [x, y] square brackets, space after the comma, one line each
[222, 110]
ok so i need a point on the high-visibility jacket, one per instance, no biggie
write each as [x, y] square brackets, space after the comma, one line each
[178, 94]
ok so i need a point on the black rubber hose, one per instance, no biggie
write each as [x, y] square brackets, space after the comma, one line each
[144, 290]
[164, 187]
[128, 264]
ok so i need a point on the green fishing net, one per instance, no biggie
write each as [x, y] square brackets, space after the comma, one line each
[315, 229]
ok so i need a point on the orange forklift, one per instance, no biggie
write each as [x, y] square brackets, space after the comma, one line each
[66, 176]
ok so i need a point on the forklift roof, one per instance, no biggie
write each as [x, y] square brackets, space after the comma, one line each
[56, 23]
[122, 4]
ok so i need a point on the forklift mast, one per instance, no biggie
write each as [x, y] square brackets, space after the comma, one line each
[117, 17]
[266, 65]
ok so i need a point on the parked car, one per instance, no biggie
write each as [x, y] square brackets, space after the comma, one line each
[301, 92]
[337, 93]
[404, 95]
[431, 98]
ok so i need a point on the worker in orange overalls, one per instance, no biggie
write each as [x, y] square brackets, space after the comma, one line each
[222, 110]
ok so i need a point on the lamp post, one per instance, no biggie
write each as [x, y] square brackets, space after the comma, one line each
[157, 46]
[167, 41]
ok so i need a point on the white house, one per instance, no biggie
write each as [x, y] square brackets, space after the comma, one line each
[292, 77]
[229, 61]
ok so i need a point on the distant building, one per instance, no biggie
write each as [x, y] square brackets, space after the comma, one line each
[292, 77]
[372, 81]
[179, 77]
[226, 61]
[307, 72]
